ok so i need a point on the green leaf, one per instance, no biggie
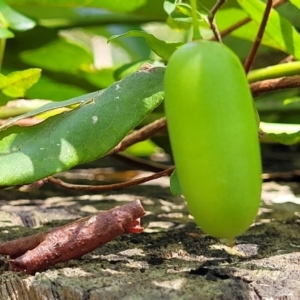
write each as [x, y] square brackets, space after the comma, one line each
[61, 57]
[175, 185]
[56, 90]
[169, 6]
[161, 48]
[278, 29]
[296, 3]
[53, 106]
[287, 134]
[5, 33]
[143, 148]
[180, 15]
[62, 17]
[14, 20]
[80, 135]
[228, 17]
[16, 83]
[116, 5]
[18, 107]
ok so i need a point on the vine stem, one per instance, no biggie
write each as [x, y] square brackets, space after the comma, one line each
[196, 32]
[249, 60]
[276, 71]
[211, 19]
[109, 187]
[140, 135]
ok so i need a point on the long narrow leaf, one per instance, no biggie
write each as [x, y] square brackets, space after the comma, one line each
[79, 135]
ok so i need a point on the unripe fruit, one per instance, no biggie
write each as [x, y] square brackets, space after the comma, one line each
[214, 139]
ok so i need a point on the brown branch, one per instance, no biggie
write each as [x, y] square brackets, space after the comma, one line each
[140, 135]
[271, 85]
[211, 20]
[109, 187]
[249, 60]
[232, 28]
[282, 176]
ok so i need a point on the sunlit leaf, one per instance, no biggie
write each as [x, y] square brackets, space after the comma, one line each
[143, 148]
[278, 29]
[17, 83]
[56, 90]
[21, 106]
[247, 31]
[79, 16]
[296, 3]
[59, 56]
[79, 135]
[161, 48]
[5, 33]
[287, 134]
[14, 19]
[50, 107]
[180, 15]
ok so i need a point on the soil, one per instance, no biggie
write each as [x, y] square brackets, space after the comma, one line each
[172, 258]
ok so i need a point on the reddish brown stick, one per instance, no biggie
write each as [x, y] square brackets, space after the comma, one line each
[260, 33]
[270, 85]
[72, 240]
[109, 187]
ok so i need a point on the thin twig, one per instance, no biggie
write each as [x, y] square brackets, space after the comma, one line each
[211, 20]
[282, 176]
[249, 60]
[244, 21]
[140, 135]
[109, 187]
[232, 28]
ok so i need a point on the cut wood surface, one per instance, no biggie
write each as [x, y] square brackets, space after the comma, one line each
[171, 259]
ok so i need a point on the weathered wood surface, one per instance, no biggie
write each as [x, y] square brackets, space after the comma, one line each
[172, 259]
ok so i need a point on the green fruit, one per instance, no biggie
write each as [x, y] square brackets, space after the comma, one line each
[213, 134]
